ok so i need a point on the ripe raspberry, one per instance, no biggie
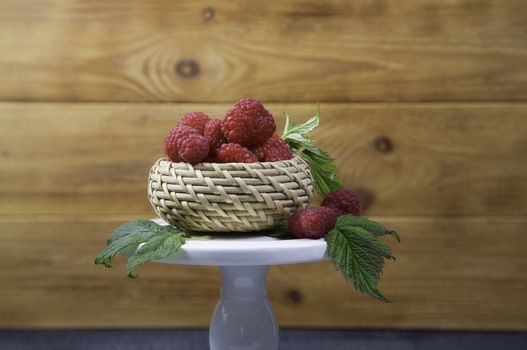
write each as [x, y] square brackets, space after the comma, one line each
[235, 153]
[273, 150]
[312, 222]
[171, 141]
[213, 133]
[248, 123]
[193, 148]
[196, 120]
[344, 201]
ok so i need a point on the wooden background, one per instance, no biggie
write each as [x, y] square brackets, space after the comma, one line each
[423, 105]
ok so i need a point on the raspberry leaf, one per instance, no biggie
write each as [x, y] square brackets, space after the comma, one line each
[354, 249]
[281, 231]
[156, 238]
[306, 128]
[288, 124]
[373, 227]
[136, 230]
[158, 247]
[322, 166]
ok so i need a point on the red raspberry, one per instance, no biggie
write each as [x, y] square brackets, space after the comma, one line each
[196, 120]
[193, 148]
[273, 150]
[171, 141]
[235, 153]
[213, 133]
[312, 222]
[248, 123]
[344, 201]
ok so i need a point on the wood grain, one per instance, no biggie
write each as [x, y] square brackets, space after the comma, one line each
[449, 174]
[404, 159]
[450, 273]
[331, 50]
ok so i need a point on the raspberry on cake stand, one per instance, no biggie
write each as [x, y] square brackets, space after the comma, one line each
[243, 318]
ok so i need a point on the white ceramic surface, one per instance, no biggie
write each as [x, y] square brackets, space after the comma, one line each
[243, 318]
[246, 250]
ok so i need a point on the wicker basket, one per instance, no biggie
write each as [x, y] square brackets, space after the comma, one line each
[240, 197]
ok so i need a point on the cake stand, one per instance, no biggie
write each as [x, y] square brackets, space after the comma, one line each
[243, 318]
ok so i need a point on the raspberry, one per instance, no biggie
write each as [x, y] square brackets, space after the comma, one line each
[235, 153]
[344, 201]
[196, 120]
[273, 150]
[213, 133]
[171, 141]
[248, 123]
[312, 222]
[193, 148]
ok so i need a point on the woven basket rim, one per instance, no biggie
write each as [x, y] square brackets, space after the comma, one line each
[233, 166]
[165, 159]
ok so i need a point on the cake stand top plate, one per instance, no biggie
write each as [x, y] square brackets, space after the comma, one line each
[246, 250]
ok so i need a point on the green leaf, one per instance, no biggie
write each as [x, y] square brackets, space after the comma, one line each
[355, 250]
[375, 228]
[288, 124]
[136, 227]
[298, 140]
[124, 236]
[158, 247]
[131, 234]
[281, 231]
[322, 166]
[304, 128]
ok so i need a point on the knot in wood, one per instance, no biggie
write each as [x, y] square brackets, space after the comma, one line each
[295, 296]
[383, 144]
[207, 14]
[187, 68]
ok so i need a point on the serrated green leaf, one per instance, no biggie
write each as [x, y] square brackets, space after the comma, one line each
[298, 139]
[355, 250]
[157, 247]
[126, 235]
[394, 235]
[376, 228]
[288, 124]
[370, 239]
[130, 234]
[281, 231]
[304, 128]
[322, 166]
[356, 260]
[138, 227]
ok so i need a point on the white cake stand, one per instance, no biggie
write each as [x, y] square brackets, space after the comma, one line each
[243, 318]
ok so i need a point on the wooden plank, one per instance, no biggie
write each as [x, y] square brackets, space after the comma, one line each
[405, 159]
[450, 273]
[331, 50]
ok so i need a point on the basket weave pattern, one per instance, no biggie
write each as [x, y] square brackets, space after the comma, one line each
[220, 197]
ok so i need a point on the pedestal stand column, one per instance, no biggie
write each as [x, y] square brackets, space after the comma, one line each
[243, 318]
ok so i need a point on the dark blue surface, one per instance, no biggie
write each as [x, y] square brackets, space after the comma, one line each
[289, 340]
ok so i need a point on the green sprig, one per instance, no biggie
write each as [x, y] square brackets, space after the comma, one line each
[158, 242]
[322, 166]
[355, 250]
[281, 231]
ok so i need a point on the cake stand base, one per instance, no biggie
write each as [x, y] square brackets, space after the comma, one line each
[243, 318]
